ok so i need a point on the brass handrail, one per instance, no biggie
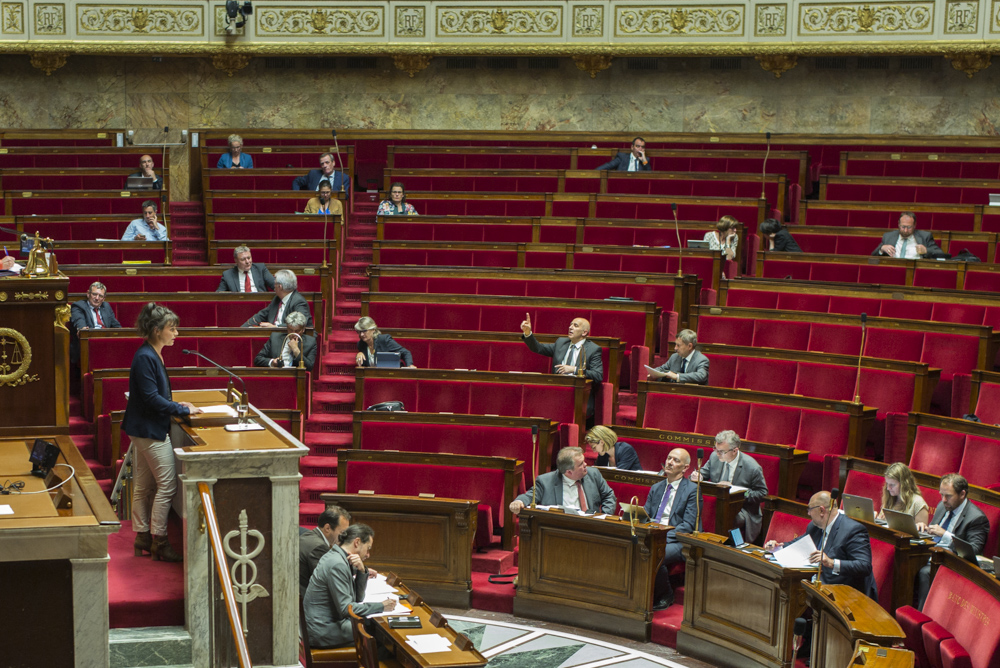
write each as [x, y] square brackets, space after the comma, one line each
[215, 539]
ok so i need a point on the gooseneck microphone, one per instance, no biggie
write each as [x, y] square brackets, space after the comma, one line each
[243, 406]
[336, 146]
[763, 171]
[680, 246]
[534, 462]
[857, 383]
[834, 495]
[697, 524]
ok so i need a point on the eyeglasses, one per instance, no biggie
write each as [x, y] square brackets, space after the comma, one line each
[722, 452]
[365, 331]
[812, 508]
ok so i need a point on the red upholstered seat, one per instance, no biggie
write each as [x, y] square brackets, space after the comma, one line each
[764, 375]
[982, 280]
[824, 435]
[912, 621]
[785, 527]
[494, 399]
[796, 301]
[723, 372]
[826, 381]
[933, 635]
[715, 415]
[784, 334]
[993, 515]
[773, 424]
[894, 344]
[959, 609]
[731, 331]
[883, 565]
[937, 451]
[935, 278]
[834, 272]
[854, 305]
[839, 339]
[860, 483]
[953, 655]
[981, 461]
[752, 298]
[988, 403]
[670, 412]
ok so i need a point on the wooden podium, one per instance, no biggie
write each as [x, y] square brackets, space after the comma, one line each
[254, 478]
[426, 542]
[842, 616]
[34, 356]
[587, 572]
[54, 562]
[739, 608]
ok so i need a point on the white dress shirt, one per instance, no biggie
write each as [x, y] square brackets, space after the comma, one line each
[670, 502]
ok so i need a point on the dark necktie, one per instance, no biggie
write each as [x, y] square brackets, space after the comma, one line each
[97, 315]
[684, 365]
[944, 525]
[725, 472]
[246, 282]
[663, 504]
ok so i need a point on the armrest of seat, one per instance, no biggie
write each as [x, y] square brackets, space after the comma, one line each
[604, 404]
[895, 437]
[794, 197]
[954, 655]
[912, 621]
[638, 357]
[709, 297]
[933, 635]
[961, 394]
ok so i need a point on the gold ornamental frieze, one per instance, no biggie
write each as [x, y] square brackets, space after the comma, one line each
[28, 296]
[588, 21]
[12, 18]
[140, 20]
[15, 358]
[962, 17]
[50, 19]
[509, 22]
[411, 21]
[679, 20]
[863, 18]
[995, 20]
[770, 21]
[318, 21]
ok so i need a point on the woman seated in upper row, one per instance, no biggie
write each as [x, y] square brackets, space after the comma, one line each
[610, 451]
[724, 238]
[396, 204]
[900, 493]
[778, 238]
[235, 158]
[371, 342]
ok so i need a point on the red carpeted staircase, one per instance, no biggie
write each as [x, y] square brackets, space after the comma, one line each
[187, 234]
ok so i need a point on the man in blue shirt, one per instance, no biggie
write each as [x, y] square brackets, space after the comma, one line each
[146, 228]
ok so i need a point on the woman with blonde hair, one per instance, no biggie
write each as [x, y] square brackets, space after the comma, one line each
[610, 451]
[235, 158]
[900, 493]
[724, 237]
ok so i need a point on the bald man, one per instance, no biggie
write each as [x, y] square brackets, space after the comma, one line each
[847, 554]
[672, 502]
[570, 354]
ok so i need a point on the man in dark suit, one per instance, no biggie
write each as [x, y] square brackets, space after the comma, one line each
[146, 169]
[289, 348]
[632, 161]
[286, 299]
[246, 276]
[90, 313]
[673, 502]
[728, 466]
[314, 544]
[327, 171]
[570, 354]
[563, 486]
[686, 365]
[957, 517]
[908, 242]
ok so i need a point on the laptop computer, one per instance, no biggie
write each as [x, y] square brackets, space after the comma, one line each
[903, 523]
[994, 199]
[859, 508]
[963, 549]
[698, 243]
[387, 360]
[139, 183]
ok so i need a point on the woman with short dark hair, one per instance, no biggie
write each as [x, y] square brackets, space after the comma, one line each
[778, 238]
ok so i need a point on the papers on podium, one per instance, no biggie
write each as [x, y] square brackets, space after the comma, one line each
[796, 554]
[428, 643]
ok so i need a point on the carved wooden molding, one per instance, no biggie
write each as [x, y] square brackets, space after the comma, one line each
[49, 62]
[970, 63]
[230, 62]
[412, 63]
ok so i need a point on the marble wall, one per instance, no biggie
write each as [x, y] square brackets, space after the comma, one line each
[683, 95]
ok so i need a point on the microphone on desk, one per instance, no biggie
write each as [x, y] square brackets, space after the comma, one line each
[763, 170]
[634, 501]
[243, 405]
[857, 383]
[534, 461]
[801, 624]
[834, 495]
[680, 246]
[697, 524]
[336, 145]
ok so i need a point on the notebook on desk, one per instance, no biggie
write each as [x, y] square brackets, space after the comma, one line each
[387, 360]
[139, 183]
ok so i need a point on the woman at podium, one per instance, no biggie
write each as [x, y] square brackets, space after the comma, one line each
[147, 422]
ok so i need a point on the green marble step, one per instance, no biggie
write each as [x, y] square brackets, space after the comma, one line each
[159, 646]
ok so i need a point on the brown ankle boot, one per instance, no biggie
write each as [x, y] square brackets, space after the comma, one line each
[163, 550]
[143, 543]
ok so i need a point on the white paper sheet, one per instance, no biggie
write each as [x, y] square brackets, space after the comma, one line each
[6, 510]
[428, 643]
[796, 554]
[222, 409]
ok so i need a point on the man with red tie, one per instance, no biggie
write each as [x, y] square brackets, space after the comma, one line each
[572, 486]
[247, 275]
[672, 502]
[93, 312]
[286, 299]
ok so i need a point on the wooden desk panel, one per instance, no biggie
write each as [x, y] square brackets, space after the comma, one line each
[428, 542]
[616, 594]
[842, 615]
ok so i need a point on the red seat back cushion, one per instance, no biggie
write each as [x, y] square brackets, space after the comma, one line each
[773, 424]
[981, 461]
[765, 375]
[715, 415]
[670, 412]
[937, 451]
[785, 527]
[963, 609]
[860, 483]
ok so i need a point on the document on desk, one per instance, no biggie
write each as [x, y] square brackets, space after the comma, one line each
[796, 554]
[6, 510]
[378, 588]
[736, 488]
[428, 643]
[400, 609]
[221, 409]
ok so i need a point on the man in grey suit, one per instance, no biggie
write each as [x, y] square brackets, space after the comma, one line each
[728, 466]
[908, 243]
[247, 275]
[956, 517]
[314, 544]
[340, 580]
[686, 365]
[289, 348]
[673, 502]
[632, 161]
[563, 486]
[570, 354]
[286, 299]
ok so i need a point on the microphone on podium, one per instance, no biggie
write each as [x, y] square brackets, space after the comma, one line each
[534, 461]
[861, 352]
[242, 407]
[697, 524]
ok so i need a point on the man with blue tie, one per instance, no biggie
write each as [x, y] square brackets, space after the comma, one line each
[957, 517]
[672, 502]
[632, 161]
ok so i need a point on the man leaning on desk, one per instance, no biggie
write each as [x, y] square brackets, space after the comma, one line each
[340, 580]
[572, 486]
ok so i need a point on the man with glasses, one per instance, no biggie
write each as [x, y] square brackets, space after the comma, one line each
[631, 161]
[90, 313]
[847, 554]
[728, 466]
[908, 243]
